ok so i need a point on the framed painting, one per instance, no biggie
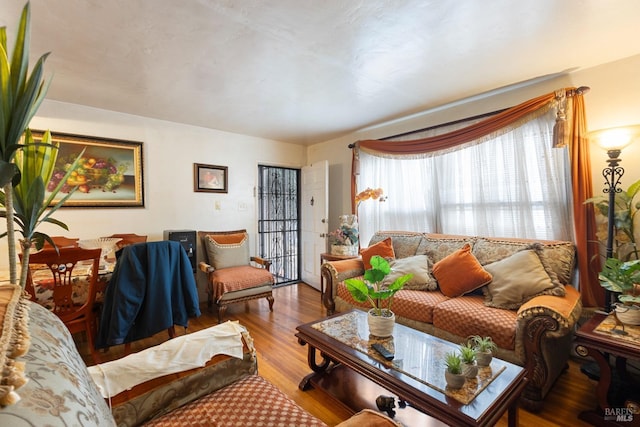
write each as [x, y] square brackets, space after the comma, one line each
[108, 175]
[210, 178]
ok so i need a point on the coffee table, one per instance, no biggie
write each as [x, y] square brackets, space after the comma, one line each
[415, 375]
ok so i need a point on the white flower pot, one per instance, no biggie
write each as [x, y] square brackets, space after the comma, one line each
[483, 358]
[381, 326]
[628, 314]
[454, 381]
[344, 250]
[470, 370]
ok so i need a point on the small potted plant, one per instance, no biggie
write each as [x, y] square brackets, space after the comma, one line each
[381, 318]
[469, 365]
[624, 279]
[453, 374]
[484, 347]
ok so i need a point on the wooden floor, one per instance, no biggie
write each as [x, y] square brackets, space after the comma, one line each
[282, 360]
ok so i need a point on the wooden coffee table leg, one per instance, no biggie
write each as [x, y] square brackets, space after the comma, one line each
[513, 414]
[316, 367]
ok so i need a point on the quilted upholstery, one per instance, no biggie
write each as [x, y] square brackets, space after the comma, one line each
[239, 405]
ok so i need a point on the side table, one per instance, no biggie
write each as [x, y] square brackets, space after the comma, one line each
[596, 338]
[324, 257]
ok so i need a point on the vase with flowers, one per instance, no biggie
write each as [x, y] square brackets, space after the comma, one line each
[344, 240]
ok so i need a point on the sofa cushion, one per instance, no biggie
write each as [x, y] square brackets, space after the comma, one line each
[459, 273]
[227, 250]
[382, 248]
[517, 279]
[467, 315]
[417, 305]
[251, 401]
[558, 255]
[418, 265]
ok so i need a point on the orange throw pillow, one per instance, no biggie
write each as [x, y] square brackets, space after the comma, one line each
[382, 248]
[460, 272]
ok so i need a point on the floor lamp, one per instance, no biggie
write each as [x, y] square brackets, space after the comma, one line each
[613, 140]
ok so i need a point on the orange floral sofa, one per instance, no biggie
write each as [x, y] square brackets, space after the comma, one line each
[491, 290]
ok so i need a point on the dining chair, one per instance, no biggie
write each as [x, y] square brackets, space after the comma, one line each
[232, 275]
[128, 239]
[70, 267]
[61, 242]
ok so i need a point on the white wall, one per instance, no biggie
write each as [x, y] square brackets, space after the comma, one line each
[614, 100]
[169, 152]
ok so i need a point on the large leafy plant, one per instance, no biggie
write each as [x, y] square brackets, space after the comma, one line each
[623, 278]
[625, 211]
[20, 97]
[371, 289]
[35, 162]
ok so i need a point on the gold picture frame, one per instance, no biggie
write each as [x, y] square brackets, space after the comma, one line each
[110, 176]
[210, 178]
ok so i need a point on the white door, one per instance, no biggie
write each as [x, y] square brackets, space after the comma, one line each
[314, 212]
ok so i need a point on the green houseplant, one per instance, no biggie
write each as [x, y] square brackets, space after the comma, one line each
[484, 347]
[453, 373]
[35, 162]
[20, 98]
[624, 213]
[468, 356]
[379, 295]
[623, 277]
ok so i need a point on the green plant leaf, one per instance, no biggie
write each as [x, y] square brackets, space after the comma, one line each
[358, 289]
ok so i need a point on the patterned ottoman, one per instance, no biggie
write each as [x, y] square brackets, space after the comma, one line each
[251, 401]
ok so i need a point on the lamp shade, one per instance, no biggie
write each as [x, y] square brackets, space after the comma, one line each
[615, 138]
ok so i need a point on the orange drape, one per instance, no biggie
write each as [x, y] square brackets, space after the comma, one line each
[584, 215]
[592, 294]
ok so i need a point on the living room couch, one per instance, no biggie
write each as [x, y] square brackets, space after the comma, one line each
[61, 391]
[534, 331]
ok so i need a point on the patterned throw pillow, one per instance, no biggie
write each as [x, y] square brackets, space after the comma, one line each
[227, 250]
[383, 248]
[460, 273]
[417, 265]
[519, 278]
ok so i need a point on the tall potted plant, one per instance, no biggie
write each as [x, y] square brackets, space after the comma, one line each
[371, 289]
[20, 98]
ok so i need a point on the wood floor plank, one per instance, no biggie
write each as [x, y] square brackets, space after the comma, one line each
[282, 361]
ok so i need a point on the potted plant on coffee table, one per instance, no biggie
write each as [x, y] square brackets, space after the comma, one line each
[484, 347]
[624, 279]
[453, 374]
[469, 365]
[371, 289]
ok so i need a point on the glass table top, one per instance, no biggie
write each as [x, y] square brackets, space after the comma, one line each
[417, 354]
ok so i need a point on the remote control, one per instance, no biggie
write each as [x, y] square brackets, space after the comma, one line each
[383, 351]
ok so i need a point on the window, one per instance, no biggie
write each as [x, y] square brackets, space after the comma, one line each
[511, 185]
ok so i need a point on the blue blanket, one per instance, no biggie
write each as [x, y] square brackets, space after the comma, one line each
[152, 288]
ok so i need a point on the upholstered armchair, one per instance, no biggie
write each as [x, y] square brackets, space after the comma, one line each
[233, 275]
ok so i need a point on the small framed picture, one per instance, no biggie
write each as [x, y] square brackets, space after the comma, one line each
[210, 178]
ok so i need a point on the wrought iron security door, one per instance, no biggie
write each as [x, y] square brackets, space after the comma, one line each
[278, 221]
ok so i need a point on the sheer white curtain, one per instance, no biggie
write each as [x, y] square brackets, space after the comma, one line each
[513, 185]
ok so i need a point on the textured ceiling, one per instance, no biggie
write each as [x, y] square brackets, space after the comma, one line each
[305, 71]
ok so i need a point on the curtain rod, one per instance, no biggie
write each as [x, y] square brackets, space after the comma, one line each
[571, 92]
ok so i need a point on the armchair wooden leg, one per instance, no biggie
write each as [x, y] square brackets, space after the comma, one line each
[221, 310]
[271, 300]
